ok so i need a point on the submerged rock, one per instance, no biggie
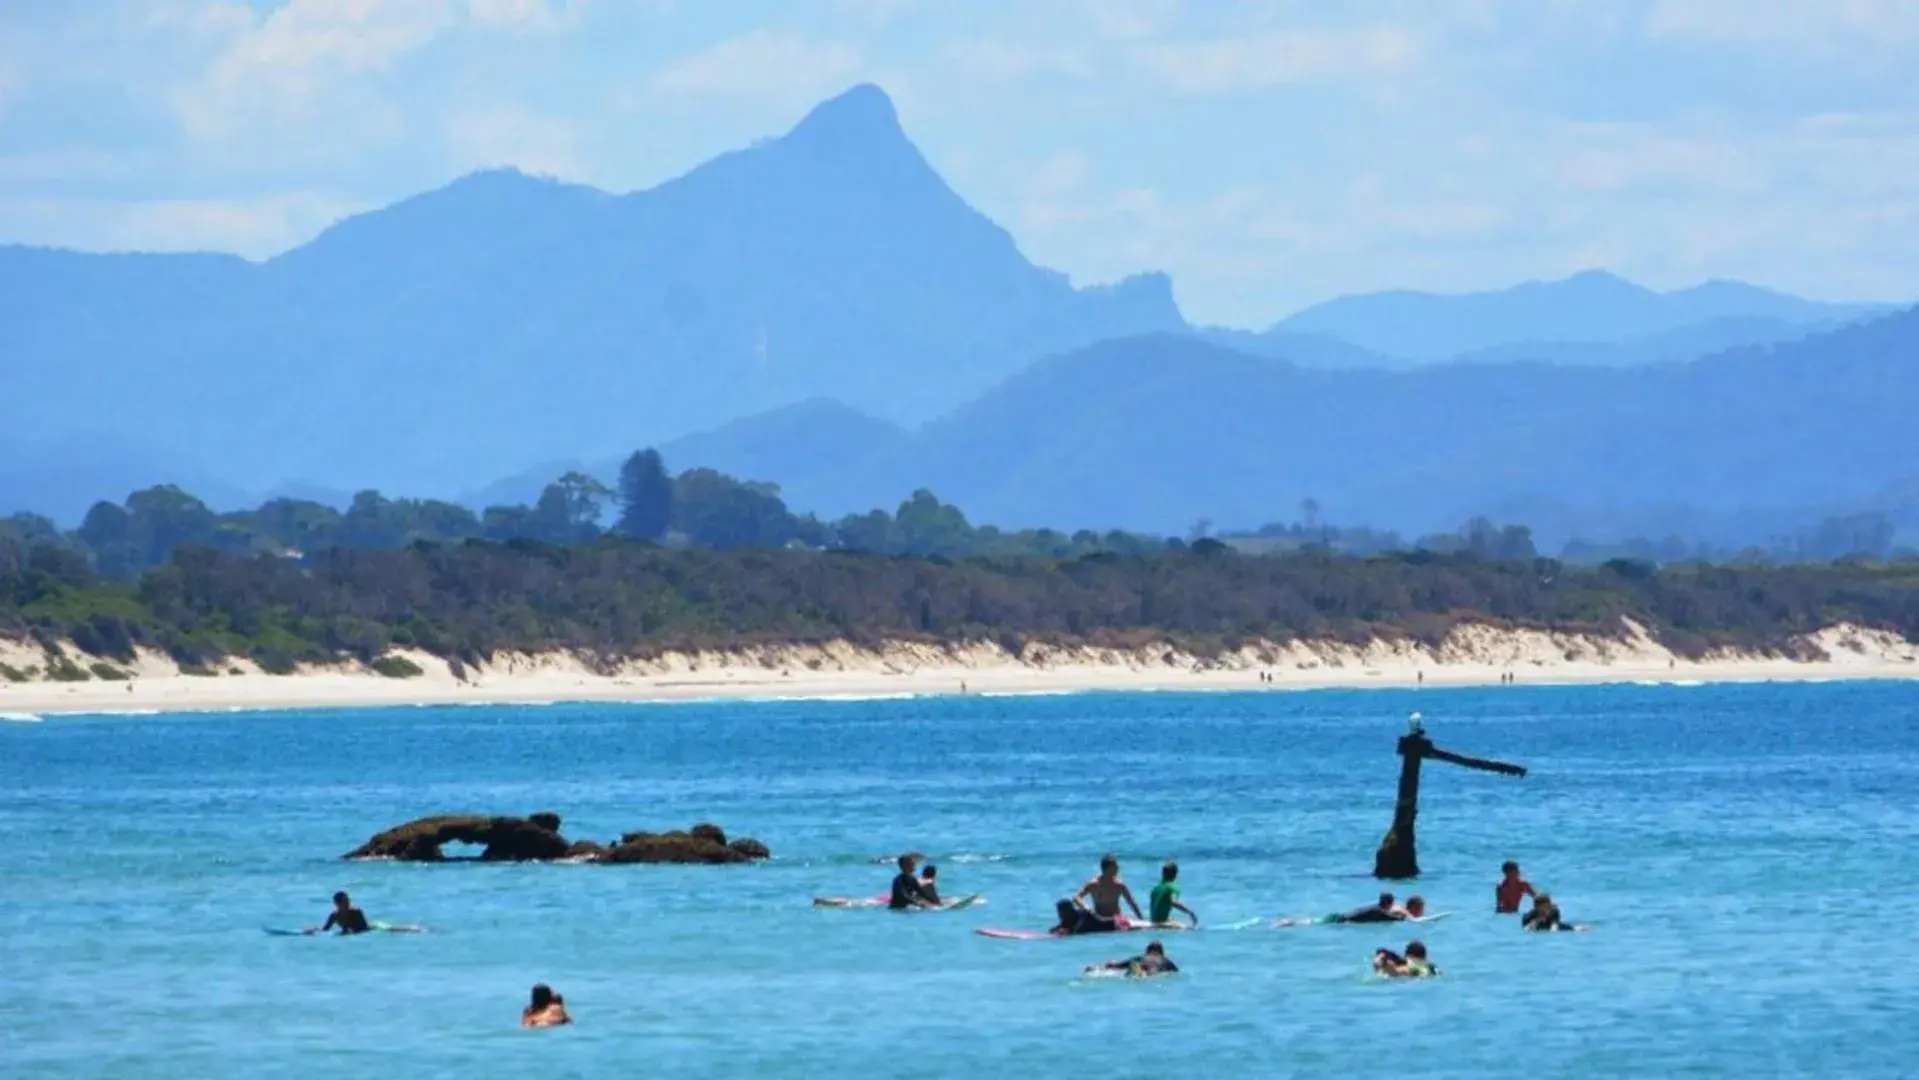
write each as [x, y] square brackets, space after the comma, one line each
[536, 838]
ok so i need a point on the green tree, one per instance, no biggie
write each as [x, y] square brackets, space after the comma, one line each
[569, 510]
[646, 496]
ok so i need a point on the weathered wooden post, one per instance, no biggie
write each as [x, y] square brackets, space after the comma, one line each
[1398, 855]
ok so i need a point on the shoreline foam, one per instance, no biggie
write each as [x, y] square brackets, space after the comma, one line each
[1471, 655]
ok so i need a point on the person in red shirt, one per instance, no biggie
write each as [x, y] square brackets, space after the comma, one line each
[1510, 890]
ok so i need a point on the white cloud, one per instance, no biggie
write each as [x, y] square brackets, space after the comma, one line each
[767, 65]
[1266, 60]
[256, 227]
[1005, 60]
[1792, 25]
[303, 80]
[1133, 19]
[511, 135]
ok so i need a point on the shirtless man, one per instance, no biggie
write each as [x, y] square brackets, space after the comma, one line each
[546, 1009]
[1106, 891]
[1511, 887]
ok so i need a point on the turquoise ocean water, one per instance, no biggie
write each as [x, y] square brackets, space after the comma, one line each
[1749, 853]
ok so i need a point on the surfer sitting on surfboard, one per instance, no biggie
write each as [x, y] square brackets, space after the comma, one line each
[1106, 891]
[1164, 898]
[344, 917]
[1152, 962]
[929, 885]
[1413, 965]
[547, 1009]
[907, 892]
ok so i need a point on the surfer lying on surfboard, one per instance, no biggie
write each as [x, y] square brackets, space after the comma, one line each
[1413, 965]
[1382, 912]
[1153, 961]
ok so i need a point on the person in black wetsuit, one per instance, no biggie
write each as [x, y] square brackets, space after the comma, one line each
[1381, 912]
[1545, 917]
[929, 884]
[1152, 962]
[345, 918]
[907, 893]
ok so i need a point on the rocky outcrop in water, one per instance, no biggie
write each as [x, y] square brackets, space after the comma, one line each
[537, 838]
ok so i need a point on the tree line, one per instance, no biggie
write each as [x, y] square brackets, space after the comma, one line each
[616, 597]
[704, 508]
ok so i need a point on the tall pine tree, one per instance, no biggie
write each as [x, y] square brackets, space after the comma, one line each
[646, 496]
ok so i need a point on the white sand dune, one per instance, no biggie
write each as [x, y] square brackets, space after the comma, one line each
[1471, 654]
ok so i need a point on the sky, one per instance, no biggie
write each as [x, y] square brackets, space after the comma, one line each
[1267, 155]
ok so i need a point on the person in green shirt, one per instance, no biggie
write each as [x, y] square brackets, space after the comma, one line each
[1165, 897]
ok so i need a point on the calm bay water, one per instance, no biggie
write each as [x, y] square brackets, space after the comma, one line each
[1750, 853]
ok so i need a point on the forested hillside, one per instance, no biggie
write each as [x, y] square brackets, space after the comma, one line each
[618, 598]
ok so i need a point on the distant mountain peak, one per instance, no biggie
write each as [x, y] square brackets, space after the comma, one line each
[860, 121]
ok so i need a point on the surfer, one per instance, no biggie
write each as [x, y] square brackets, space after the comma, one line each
[1545, 917]
[1106, 891]
[344, 916]
[1383, 911]
[1153, 961]
[546, 1009]
[907, 893]
[929, 884]
[1164, 898]
[1413, 965]
[1511, 887]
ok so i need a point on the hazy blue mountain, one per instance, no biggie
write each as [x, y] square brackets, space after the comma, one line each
[1306, 350]
[1590, 307]
[506, 319]
[1158, 431]
[62, 479]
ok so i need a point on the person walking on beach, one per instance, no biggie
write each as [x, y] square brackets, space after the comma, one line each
[1164, 899]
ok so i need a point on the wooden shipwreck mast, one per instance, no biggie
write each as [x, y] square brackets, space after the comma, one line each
[1398, 855]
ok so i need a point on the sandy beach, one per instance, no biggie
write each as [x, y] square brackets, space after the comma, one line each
[1472, 655]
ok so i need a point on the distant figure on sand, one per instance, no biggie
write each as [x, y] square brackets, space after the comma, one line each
[1413, 965]
[1153, 961]
[546, 1009]
[907, 892]
[1511, 888]
[344, 917]
[1164, 899]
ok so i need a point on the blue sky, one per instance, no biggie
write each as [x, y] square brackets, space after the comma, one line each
[1268, 155]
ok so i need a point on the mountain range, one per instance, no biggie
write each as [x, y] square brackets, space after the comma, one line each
[822, 310]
